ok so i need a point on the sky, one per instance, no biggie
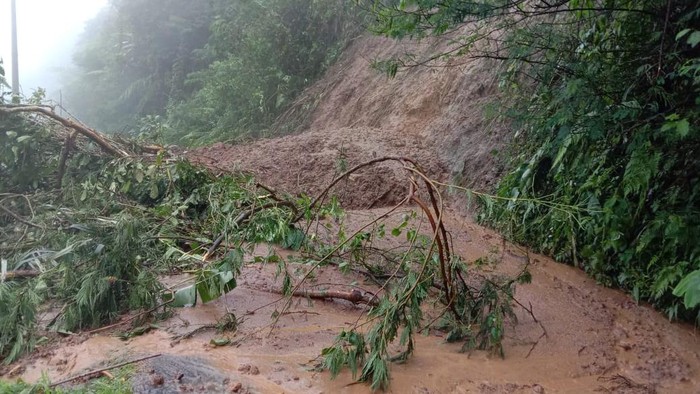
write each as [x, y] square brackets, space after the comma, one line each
[46, 33]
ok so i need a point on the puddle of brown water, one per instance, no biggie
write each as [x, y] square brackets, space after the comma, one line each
[597, 339]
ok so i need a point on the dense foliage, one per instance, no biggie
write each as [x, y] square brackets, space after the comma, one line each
[262, 55]
[605, 97]
[78, 254]
[196, 71]
[133, 58]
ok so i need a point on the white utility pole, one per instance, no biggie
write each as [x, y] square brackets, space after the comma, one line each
[15, 62]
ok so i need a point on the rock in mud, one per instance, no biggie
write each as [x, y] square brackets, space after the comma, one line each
[178, 374]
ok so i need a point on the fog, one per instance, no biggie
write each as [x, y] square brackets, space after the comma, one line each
[47, 31]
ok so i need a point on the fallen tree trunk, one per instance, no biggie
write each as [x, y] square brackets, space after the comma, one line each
[355, 296]
[19, 274]
[100, 139]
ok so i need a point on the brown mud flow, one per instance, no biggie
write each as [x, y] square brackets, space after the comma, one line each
[598, 339]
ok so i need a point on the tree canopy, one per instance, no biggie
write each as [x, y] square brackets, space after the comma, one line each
[211, 69]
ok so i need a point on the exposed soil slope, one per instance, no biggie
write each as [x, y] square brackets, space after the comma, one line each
[443, 103]
[432, 115]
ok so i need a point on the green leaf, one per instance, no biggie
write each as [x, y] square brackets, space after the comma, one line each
[212, 284]
[682, 33]
[682, 127]
[689, 289]
[154, 191]
[183, 297]
[694, 38]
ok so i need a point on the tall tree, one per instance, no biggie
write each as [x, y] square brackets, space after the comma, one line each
[263, 54]
[134, 57]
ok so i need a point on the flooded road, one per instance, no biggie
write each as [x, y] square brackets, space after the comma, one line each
[597, 339]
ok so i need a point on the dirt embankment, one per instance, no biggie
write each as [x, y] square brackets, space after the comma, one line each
[432, 115]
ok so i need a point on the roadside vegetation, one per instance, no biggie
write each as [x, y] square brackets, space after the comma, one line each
[604, 97]
[113, 383]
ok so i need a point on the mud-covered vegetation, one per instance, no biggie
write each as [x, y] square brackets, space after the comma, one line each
[89, 224]
[202, 71]
[604, 95]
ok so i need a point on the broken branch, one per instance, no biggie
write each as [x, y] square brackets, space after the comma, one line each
[100, 371]
[19, 274]
[355, 296]
[19, 218]
[95, 136]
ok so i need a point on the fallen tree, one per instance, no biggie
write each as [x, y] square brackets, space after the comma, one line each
[127, 213]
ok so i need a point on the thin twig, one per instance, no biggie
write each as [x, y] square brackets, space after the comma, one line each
[100, 329]
[20, 219]
[99, 371]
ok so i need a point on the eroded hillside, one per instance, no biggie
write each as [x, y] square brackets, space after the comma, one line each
[435, 115]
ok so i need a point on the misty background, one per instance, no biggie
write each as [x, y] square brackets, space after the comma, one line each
[47, 32]
[187, 71]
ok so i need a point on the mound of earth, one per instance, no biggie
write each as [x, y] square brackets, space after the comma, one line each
[433, 115]
[307, 163]
[445, 103]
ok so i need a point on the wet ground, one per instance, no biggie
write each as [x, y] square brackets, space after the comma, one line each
[597, 340]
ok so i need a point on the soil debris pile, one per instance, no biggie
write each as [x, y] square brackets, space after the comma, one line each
[308, 162]
[432, 115]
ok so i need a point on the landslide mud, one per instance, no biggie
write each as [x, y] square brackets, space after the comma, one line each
[597, 339]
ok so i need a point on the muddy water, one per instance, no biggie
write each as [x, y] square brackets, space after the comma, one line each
[597, 339]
